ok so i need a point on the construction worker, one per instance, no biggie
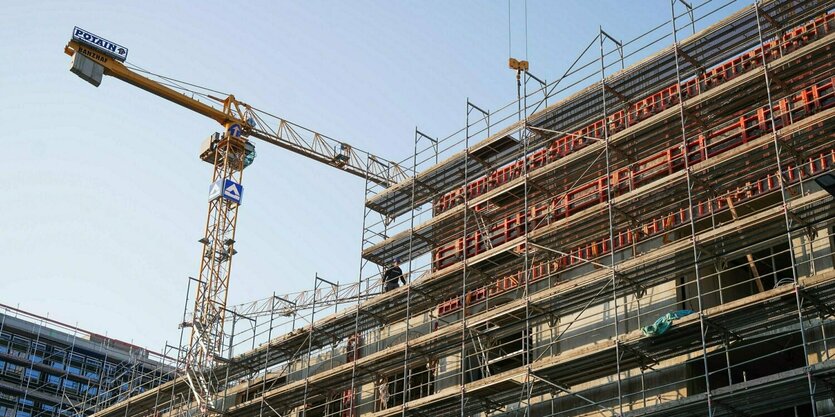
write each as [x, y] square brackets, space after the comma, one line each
[393, 276]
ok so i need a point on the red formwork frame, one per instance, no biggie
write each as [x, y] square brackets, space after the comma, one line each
[641, 110]
[808, 101]
[814, 165]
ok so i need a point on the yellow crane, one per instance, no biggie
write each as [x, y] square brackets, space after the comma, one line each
[229, 153]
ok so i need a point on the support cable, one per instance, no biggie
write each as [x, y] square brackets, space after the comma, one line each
[137, 68]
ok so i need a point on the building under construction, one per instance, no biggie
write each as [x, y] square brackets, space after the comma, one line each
[644, 239]
[49, 368]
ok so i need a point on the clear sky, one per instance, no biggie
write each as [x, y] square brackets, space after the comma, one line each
[103, 197]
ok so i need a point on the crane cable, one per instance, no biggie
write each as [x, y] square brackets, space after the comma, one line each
[177, 84]
[526, 30]
[135, 67]
[510, 32]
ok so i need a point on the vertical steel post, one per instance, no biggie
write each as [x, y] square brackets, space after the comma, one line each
[101, 381]
[609, 210]
[691, 214]
[310, 344]
[786, 218]
[66, 368]
[406, 379]
[267, 355]
[524, 137]
[366, 213]
[181, 366]
[32, 346]
[230, 353]
[464, 269]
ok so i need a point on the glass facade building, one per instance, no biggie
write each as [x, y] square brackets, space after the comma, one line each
[48, 368]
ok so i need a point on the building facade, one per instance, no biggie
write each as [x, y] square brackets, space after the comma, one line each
[48, 368]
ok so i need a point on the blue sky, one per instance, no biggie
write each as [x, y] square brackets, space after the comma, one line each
[103, 195]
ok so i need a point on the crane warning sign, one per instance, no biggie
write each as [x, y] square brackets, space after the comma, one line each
[228, 189]
[118, 52]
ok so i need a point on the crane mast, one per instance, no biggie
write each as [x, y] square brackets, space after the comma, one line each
[206, 339]
[229, 153]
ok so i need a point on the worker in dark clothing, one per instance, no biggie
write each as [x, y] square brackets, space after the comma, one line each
[393, 276]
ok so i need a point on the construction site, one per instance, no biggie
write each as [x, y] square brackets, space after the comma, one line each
[651, 239]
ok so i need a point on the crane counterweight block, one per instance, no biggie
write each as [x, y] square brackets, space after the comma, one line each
[87, 69]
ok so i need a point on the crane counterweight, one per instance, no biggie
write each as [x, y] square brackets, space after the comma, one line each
[87, 69]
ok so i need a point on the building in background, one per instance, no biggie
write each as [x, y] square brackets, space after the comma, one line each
[48, 368]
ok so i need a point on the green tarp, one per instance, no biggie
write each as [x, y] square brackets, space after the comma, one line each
[664, 322]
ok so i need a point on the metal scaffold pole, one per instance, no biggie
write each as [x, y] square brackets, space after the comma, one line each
[464, 269]
[690, 208]
[310, 336]
[776, 140]
[411, 275]
[267, 355]
[602, 36]
[527, 336]
[352, 395]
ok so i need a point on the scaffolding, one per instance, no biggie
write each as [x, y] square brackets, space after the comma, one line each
[49, 368]
[543, 241]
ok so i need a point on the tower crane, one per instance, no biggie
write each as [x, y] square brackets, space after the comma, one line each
[229, 153]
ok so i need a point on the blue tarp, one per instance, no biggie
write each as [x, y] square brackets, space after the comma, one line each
[664, 322]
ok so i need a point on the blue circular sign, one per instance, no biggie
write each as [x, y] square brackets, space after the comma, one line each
[235, 130]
